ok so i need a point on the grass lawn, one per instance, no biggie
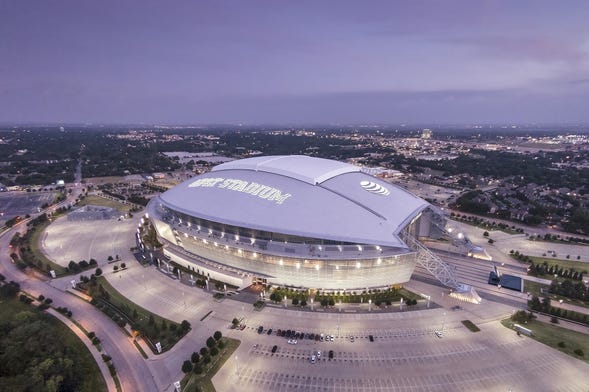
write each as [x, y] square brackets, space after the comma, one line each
[562, 263]
[86, 371]
[470, 325]
[167, 337]
[101, 201]
[35, 248]
[551, 335]
[202, 382]
[534, 288]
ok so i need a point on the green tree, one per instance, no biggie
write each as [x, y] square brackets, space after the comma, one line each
[217, 335]
[186, 366]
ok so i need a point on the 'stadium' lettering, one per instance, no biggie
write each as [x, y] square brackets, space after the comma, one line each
[252, 188]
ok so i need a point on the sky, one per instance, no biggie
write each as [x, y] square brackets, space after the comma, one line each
[294, 62]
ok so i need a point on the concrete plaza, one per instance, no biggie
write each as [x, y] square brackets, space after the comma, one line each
[405, 356]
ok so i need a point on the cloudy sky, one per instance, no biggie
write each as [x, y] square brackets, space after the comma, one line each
[299, 62]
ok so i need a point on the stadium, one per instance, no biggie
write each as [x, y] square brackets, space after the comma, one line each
[294, 221]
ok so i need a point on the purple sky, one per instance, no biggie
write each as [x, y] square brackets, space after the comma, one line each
[294, 61]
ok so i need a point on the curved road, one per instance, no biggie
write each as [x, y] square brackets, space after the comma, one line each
[132, 370]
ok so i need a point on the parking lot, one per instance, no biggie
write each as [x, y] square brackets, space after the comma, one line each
[22, 203]
[405, 359]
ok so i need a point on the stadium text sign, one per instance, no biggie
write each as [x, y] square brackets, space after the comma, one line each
[252, 188]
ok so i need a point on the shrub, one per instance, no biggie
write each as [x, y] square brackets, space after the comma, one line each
[561, 344]
[48, 301]
[206, 360]
[41, 297]
[214, 351]
[204, 351]
[194, 358]
[98, 272]
[123, 265]
[106, 358]
[211, 342]
[217, 335]
[579, 352]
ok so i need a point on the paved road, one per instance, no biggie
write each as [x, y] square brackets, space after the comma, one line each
[133, 372]
[494, 359]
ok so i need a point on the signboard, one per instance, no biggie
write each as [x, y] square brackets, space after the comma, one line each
[252, 188]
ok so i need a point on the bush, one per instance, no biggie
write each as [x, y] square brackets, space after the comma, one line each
[91, 335]
[206, 360]
[197, 369]
[48, 301]
[561, 344]
[98, 272]
[106, 358]
[186, 366]
[194, 358]
[214, 351]
[579, 352]
[204, 351]
[211, 342]
[234, 322]
[217, 335]
[554, 320]
[221, 344]
[41, 297]
[123, 265]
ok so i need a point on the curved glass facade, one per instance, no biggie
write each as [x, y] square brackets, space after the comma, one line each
[278, 258]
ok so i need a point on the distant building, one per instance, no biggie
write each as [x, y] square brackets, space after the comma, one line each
[159, 176]
[426, 134]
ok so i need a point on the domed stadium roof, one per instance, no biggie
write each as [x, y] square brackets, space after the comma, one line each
[300, 196]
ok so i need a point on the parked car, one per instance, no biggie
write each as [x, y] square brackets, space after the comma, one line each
[313, 358]
[330, 354]
[269, 331]
[371, 338]
[274, 348]
[438, 334]
[260, 329]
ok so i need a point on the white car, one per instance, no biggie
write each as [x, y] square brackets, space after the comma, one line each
[438, 333]
[331, 338]
[313, 358]
[318, 354]
[292, 341]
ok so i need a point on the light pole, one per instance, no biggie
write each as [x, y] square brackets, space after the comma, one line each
[443, 321]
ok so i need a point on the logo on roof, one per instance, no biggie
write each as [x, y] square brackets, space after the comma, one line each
[375, 188]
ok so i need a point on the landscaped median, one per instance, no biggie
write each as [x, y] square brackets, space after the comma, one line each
[153, 328]
[204, 364]
[573, 343]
